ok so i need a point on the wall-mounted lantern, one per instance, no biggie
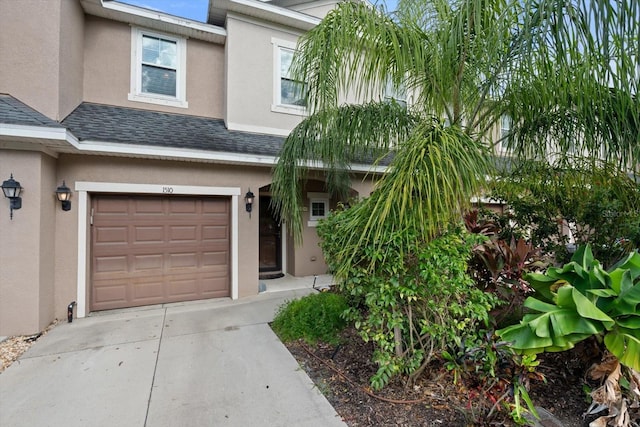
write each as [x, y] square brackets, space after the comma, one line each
[248, 200]
[63, 193]
[12, 190]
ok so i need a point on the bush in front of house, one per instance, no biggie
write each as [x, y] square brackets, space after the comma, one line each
[313, 318]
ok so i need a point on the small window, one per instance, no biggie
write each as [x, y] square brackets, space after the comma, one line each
[158, 69]
[318, 209]
[289, 94]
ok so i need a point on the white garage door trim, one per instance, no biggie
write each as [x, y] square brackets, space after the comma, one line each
[83, 188]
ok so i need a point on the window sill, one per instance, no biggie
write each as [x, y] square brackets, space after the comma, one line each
[289, 109]
[158, 101]
[313, 223]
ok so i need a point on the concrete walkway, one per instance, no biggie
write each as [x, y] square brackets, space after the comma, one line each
[206, 363]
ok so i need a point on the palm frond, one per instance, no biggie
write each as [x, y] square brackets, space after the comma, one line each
[333, 139]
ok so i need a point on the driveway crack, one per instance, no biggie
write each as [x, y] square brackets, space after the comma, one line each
[155, 368]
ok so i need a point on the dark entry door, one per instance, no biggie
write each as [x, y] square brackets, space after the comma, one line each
[270, 238]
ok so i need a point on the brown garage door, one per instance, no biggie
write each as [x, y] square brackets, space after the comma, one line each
[151, 250]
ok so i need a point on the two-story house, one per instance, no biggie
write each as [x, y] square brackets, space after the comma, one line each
[165, 131]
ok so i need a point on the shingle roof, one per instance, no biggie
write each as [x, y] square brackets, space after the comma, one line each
[107, 123]
[15, 112]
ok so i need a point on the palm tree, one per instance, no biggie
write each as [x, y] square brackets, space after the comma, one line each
[358, 50]
[565, 71]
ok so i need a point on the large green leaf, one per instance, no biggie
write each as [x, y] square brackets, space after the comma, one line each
[630, 322]
[625, 345]
[621, 280]
[556, 327]
[542, 284]
[632, 263]
[523, 337]
[627, 301]
[570, 297]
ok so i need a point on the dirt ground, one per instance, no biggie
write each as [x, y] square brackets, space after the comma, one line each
[342, 375]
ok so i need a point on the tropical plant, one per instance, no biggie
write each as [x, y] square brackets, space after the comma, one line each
[498, 266]
[596, 205]
[444, 66]
[416, 301]
[581, 300]
[565, 72]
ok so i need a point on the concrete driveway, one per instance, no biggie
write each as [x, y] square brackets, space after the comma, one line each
[209, 363]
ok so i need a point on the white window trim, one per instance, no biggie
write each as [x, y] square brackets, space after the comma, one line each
[317, 198]
[136, 94]
[84, 188]
[277, 106]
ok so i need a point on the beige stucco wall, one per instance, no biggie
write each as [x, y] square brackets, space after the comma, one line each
[307, 258]
[30, 46]
[107, 70]
[250, 78]
[27, 245]
[71, 57]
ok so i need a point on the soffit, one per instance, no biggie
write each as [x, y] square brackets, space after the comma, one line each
[159, 21]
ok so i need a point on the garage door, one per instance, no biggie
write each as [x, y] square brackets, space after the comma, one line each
[152, 249]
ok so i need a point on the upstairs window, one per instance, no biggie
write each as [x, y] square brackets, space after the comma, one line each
[291, 91]
[288, 93]
[397, 93]
[505, 131]
[158, 69]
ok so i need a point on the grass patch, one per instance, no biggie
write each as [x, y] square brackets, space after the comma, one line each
[316, 317]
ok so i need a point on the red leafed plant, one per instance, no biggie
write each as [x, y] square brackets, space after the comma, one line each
[499, 265]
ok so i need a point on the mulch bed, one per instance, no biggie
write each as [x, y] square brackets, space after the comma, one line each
[342, 375]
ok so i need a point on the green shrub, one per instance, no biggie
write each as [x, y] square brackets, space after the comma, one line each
[412, 298]
[316, 317]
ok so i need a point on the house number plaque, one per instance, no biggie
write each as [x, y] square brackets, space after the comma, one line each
[167, 190]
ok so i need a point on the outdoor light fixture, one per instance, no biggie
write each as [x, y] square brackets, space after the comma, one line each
[248, 200]
[63, 193]
[12, 189]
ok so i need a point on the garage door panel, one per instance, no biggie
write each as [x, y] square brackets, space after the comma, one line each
[147, 262]
[215, 259]
[184, 206]
[149, 234]
[183, 233]
[111, 207]
[150, 290]
[215, 287]
[111, 235]
[215, 232]
[114, 293]
[111, 264]
[152, 250]
[186, 288]
[188, 260]
[215, 206]
[148, 206]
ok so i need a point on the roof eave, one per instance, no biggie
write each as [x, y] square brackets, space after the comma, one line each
[218, 10]
[153, 19]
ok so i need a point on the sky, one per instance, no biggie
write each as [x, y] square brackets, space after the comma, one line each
[195, 9]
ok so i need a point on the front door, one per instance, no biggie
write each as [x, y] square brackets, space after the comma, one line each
[270, 240]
